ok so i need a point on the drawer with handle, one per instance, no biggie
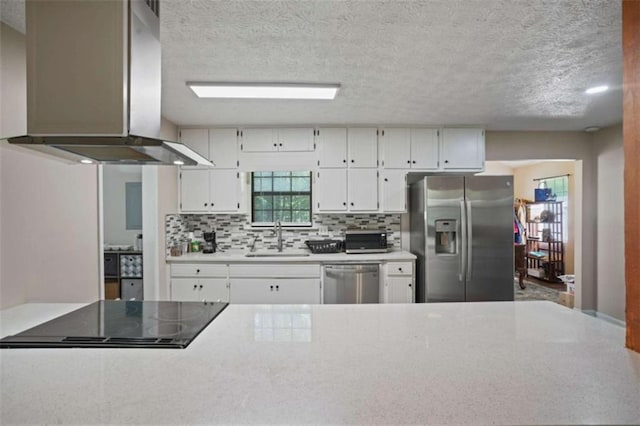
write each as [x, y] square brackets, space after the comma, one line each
[399, 268]
[198, 270]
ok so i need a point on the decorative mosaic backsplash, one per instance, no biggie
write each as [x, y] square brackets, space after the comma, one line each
[235, 231]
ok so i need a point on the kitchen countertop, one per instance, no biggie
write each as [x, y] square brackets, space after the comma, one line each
[239, 256]
[455, 363]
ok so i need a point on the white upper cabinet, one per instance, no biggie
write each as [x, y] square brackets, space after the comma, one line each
[194, 190]
[396, 148]
[223, 148]
[394, 190]
[462, 149]
[224, 190]
[363, 190]
[269, 140]
[362, 147]
[331, 190]
[296, 139]
[424, 149]
[259, 140]
[196, 139]
[332, 147]
[409, 149]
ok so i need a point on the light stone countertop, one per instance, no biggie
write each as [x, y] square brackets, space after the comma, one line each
[455, 363]
[239, 256]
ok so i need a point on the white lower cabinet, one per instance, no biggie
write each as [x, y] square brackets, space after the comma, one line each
[399, 282]
[275, 290]
[199, 289]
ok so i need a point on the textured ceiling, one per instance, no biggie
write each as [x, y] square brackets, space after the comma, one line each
[505, 64]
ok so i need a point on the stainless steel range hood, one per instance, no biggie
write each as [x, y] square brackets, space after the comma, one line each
[93, 83]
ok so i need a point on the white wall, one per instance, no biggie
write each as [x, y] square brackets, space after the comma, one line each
[167, 203]
[510, 146]
[610, 249]
[115, 178]
[49, 217]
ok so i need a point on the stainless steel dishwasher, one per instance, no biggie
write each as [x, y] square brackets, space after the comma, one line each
[349, 283]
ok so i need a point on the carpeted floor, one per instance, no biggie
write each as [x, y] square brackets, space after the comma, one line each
[534, 292]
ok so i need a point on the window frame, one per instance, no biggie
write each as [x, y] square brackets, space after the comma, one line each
[308, 224]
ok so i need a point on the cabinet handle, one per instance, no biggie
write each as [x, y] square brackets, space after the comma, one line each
[408, 161]
[409, 284]
[275, 144]
[414, 161]
[271, 287]
[446, 161]
[351, 203]
[353, 161]
[200, 286]
[197, 271]
[344, 204]
[205, 204]
[386, 180]
[277, 288]
[400, 269]
[280, 144]
[344, 161]
[195, 286]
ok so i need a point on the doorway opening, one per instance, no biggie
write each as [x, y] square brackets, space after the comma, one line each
[546, 206]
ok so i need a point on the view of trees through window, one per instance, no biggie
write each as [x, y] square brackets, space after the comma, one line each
[281, 196]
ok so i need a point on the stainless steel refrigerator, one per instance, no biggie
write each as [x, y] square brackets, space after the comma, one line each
[462, 234]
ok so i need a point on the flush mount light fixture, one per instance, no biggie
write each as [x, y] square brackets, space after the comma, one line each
[591, 129]
[264, 90]
[596, 89]
[85, 161]
[178, 163]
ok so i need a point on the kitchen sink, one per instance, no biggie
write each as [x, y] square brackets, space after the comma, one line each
[274, 253]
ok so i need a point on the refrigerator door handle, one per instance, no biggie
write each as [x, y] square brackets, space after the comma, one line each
[461, 241]
[469, 241]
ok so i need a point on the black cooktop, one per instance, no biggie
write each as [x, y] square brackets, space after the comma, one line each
[121, 324]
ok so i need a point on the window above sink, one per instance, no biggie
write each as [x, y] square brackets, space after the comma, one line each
[281, 196]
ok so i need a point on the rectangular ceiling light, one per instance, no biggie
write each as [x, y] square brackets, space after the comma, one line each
[264, 90]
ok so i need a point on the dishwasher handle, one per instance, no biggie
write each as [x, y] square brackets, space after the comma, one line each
[359, 268]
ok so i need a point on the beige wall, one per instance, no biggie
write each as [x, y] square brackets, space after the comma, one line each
[48, 219]
[524, 186]
[611, 277]
[13, 86]
[511, 146]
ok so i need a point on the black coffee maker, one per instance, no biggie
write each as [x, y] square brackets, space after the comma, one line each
[209, 242]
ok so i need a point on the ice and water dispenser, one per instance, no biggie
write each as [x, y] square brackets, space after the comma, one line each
[446, 237]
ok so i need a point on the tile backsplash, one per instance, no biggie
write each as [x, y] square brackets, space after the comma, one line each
[234, 231]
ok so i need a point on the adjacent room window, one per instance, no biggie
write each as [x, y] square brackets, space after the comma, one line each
[281, 196]
[560, 189]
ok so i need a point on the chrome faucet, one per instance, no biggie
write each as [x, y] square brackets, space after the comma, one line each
[277, 229]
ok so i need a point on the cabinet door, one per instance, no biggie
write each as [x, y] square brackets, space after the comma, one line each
[259, 140]
[251, 290]
[184, 289]
[362, 147]
[194, 190]
[295, 139]
[399, 290]
[394, 191]
[331, 189]
[213, 290]
[223, 148]
[396, 148]
[225, 190]
[363, 189]
[332, 147]
[462, 149]
[296, 291]
[424, 149]
[196, 139]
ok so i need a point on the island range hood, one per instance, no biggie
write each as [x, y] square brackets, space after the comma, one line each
[94, 83]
